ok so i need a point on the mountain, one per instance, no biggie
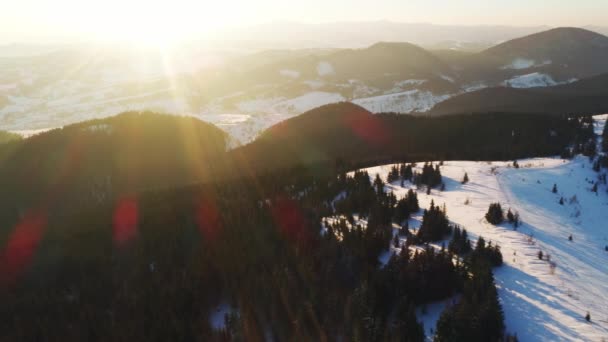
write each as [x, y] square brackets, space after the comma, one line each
[589, 96]
[246, 91]
[580, 52]
[345, 133]
[542, 59]
[104, 158]
[357, 34]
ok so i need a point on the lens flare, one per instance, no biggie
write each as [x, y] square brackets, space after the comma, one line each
[126, 217]
[22, 245]
[208, 219]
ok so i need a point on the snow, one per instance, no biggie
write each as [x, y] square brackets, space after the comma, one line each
[100, 128]
[447, 78]
[26, 133]
[217, 318]
[532, 80]
[520, 63]
[325, 69]
[539, 305]
[404, 102]
[243, 128]
[307, 102]
[524, 63]
[474, 87]
[411, 82]
[294, 105]
[314, 84]
[429, 315]
[290, 73]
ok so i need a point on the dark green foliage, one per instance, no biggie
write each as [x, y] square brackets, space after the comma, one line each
[435, 225]
[460, 243]
[393, 174]
[430, 176]
[351, 137]
[495, 215]
[6, 137]
[406, 206]
[478, 315]
[554, 189]
[405, 172]
[465, 179]
[513, 218]
[96, 160]
[486, 253]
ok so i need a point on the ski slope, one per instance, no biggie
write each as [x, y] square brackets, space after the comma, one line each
[540, 304]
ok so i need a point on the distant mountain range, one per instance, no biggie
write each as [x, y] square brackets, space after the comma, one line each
[247, 93]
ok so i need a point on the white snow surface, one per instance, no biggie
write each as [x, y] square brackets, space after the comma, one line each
[404, 102]
[290, 73]
[325, 69]
[538, 305]
[520, 63]
[524, 63]
[295, 105]
[532, 80]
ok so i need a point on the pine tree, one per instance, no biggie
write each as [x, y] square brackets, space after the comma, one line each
[465, 179]
[495, 215]
[540, 255]
[379, 185]
[554, 190]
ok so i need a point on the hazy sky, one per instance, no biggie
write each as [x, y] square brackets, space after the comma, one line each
[40, 20]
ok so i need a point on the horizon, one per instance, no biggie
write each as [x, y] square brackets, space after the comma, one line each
[68, 21]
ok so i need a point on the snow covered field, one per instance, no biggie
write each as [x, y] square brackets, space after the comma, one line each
[539, 304]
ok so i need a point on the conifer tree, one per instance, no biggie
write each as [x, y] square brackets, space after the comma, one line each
[495, 215]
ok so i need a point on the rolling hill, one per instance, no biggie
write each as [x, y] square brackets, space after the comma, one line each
[97, 160]
[589, 96]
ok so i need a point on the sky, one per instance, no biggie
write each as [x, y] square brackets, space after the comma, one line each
[156, 21]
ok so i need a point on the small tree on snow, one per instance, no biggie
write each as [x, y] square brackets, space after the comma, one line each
[495, 215]
[554, 190]
[465, 179]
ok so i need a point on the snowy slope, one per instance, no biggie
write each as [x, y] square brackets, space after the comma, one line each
[404, 102]
[538, 305]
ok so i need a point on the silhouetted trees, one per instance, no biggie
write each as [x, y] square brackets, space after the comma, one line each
[435, 225]
[495, 214]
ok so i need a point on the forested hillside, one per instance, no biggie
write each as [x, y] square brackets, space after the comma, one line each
[106, 237]
[349, 134]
